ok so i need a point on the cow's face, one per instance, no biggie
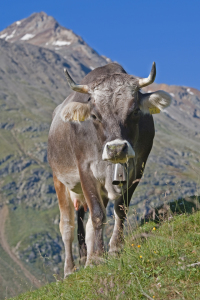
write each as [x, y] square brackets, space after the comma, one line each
[115, 106]
[115, 113]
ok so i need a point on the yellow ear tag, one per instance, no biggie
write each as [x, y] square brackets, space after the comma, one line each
[154, 110]
[76, 119]
[81, 120]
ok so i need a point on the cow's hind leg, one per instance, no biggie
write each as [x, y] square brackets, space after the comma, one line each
[90, 240]
[66, 223]
[81, 235]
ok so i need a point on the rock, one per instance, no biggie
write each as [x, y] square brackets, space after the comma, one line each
[43, 246]
[196, 113]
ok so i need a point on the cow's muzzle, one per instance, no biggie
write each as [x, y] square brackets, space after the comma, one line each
[118, 151]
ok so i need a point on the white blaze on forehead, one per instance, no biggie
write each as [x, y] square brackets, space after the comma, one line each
[97, 93]
[130, 153]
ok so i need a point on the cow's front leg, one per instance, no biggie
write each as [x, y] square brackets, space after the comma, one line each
[94, 230]
[66, 223]
[97, 219]
[120, 212]
[116, 240]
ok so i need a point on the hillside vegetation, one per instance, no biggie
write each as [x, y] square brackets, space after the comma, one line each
[158, 261]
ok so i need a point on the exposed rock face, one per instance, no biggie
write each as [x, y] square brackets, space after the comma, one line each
[45, 249]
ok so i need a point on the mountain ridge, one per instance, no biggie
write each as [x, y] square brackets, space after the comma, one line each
[42, 30]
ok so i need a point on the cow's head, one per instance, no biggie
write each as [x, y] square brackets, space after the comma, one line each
[115, 106]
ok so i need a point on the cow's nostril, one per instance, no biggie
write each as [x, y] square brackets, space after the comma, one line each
[111, 147]
[125, 147]
[117, 149]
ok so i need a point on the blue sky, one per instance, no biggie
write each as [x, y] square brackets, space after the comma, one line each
[133, 33]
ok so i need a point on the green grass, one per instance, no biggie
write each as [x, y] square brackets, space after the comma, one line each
[151, 267]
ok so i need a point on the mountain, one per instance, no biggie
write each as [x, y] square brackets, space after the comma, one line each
[44, 31]
[33, 53]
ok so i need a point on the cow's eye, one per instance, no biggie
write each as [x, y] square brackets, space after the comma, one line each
[93, 117]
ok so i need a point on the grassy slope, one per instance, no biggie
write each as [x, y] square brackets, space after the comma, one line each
[149, 268]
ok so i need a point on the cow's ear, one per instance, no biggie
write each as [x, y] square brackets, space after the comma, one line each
[154, 102]
[75, 111]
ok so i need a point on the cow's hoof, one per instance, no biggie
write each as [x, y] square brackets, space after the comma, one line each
[67, 274]
[82, 261]
[94, 261]
[115, 251]
[71, 271]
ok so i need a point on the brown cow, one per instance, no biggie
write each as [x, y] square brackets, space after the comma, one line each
[107, 120]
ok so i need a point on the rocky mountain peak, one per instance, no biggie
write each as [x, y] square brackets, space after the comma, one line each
[44, 31]
[41, 30]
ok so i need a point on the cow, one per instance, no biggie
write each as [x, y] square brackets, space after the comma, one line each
[105, 121]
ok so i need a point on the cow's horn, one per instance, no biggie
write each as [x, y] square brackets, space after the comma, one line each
[150, 79]
[75, 87]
